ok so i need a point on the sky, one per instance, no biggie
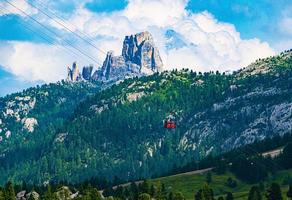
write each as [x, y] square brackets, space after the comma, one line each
[39, 39]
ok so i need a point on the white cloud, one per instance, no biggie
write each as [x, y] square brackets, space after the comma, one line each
[11, 8]
[209, 43]
[35, 62]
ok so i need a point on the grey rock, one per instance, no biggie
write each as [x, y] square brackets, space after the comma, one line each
[87, 72]
[140, 49]
[73, 74]
[34, 195]
[21, 195]
[139, 57]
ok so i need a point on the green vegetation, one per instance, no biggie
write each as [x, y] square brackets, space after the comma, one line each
[190, 184]
[117, 134]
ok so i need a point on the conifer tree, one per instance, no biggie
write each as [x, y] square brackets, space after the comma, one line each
[289, 193]
[94, 194]
[178, 196]
[229, 196]
[144, 196]
[48, 195]
[209, 177]
[170, 196]
[2, 197]
[9, 191]
[254, 193]
[274, 192]
[145, 187]
[206, 193]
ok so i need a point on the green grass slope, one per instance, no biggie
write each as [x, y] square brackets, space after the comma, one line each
[190, 184]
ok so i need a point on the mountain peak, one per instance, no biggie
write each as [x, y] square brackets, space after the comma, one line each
[140, 49]
[139, 57]
[73, 73]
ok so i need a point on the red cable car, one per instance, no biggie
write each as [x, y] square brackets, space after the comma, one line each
[169, 122]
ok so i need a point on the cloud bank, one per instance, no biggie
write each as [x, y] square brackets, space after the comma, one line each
[21, 5]
[185, 39]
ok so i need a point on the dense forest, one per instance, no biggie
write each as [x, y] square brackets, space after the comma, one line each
[118, 133]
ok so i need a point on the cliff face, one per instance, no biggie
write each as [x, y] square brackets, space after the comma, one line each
[87, 72]
[139, 57]
[73, 74]
[140, 49]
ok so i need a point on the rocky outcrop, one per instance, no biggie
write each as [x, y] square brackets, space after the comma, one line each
[87, 72]
[73, 74]
[115, 68]
[22, 195]
[139, 57]
[140, 49]
[29, 123]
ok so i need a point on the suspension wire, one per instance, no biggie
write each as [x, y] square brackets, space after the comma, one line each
[65, 27]
[48, 38]
[80, 51]
[87, 36]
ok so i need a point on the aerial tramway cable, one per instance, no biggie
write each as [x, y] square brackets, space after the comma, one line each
[68, 43]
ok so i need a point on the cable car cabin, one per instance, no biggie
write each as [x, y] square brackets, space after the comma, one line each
[169, 124]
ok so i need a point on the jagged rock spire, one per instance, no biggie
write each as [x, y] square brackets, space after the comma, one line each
[73, 74]
[139, 57]
[87, 72]
[140, 49]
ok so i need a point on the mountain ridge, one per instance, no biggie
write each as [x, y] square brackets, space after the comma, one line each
[119, 131]
[139, 57]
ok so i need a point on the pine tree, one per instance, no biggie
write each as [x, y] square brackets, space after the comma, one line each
[2, 197]
[254, 193]
[134, 190]
[198, 195]
[144, 196]
[209, 177]
[163, 191]
[170, 196]
[152, 191]
[274, 192]
[145, 187]
[229, 196]
[206, 193]
[289, 193]
[9, 191]
[178, 196]
[48, 195]
[286, 156]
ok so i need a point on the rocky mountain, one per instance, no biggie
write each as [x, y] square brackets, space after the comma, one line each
[174, 40]
[26, 117]
[119, 130]
[139, 57]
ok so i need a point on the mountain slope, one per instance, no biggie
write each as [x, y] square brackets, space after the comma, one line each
[28, 119]
[119, 131]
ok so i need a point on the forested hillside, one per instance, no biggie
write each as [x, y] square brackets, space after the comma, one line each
[119, 131]
[28, 118]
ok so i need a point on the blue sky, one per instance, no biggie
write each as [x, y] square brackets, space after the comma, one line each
[261, 25]
[251, 18]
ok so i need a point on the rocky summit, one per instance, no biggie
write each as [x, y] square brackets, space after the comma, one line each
[74, 74]
[139, 57]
